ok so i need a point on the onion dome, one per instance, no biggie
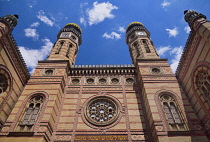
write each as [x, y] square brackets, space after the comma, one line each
[74, 28]
[131, 25]
[73, 25]
[11, 19]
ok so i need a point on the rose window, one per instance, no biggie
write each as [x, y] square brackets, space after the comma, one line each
[203, 82]
[102, 111]
[3, 83]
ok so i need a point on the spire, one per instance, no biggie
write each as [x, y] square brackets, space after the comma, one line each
[67, 45]
[139, 42]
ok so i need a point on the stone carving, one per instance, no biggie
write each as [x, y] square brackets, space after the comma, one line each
[137, 137]
[63, 137]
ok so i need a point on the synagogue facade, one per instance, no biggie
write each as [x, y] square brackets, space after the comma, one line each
[143, 101]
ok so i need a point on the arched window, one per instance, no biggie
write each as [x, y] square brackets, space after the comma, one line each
[146, 46]
[59, 48]
[172, 113]
[136, 47]
[31, 112]
[69, 48]
[203, 82]
[3, 83]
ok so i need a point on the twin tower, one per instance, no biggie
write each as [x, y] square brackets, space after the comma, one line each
[70, 37]
[63, 102]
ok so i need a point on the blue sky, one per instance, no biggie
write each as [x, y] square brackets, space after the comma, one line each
[103, 25]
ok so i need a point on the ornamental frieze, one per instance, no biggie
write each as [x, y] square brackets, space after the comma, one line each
[101, 138]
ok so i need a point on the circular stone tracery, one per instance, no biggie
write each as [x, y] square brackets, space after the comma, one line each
[3, 83]
[101, 111]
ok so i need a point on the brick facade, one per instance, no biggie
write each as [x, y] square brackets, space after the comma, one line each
[140, 102]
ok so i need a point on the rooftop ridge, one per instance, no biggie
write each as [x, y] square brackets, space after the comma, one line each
[184, 52]
[103, 66]
[20, 55]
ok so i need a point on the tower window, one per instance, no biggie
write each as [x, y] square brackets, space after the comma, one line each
[136, 47]
[59, 48]
[68, 51]
[135, 44]
[173, 115]
[73, 37]
[133, 36]
[31, 113]
[49, 72]
[155, 70]
[146, 46]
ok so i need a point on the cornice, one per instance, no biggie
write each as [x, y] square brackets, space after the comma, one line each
[150, 60]
[185, 51]
[102, 70]
[15, 56]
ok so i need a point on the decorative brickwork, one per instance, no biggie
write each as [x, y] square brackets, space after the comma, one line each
[142, 101]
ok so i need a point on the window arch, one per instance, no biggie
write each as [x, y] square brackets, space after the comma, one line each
[31, 112]
[172, 113]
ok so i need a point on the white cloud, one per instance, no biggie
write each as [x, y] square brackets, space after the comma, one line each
[162, 50]
[82, 21]
[31, 3]
[99, 12]
[35, 24]
[113, 35]
[173, 32]
[29, 32]
[177, 52]
[41, 15]
[32, 56]
[165, 4]
[187, 29]
[121, 29]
